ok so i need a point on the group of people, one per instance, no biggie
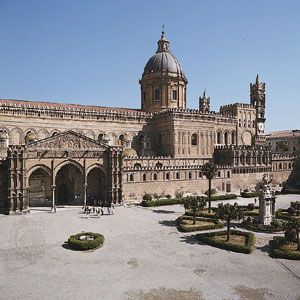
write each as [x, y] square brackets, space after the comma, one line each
[99, 210]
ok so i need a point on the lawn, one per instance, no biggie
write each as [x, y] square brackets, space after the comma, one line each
[233, 239]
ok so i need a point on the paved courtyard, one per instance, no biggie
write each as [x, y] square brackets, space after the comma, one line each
[144, 257]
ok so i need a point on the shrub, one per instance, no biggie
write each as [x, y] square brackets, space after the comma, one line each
[223, 197]
[162, 202]
[168, 196]
[251, 206]
[179, 194]
[213, 191]
[290, 235]
[247, 248]
[147, 196]
[276, 252]
[77, 244]
[156, 196]
[249, 194]
[295, 205]
[215, 224]
[291, 211]
[254, 225]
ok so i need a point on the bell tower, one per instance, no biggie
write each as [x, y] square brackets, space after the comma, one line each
[204, 103]
[257, 99]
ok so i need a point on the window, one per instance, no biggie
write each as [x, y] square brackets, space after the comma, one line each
[228, 173]
[174, 95]
[157, 95]
[219, 138]
[100, 137]
[177, 175]
[200, 174]
[190, 175]
[194, 140]
[144, 177]
[121, 140]
[168, 176]
[131, 177]
[219, 174]
[155, 176]
[226, 138]
[232, 138]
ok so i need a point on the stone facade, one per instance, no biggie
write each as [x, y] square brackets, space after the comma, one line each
[73, 154]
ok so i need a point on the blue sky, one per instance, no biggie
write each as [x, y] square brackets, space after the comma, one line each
[94, 52]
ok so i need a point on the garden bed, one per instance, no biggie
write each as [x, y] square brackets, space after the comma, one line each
[263, 228]
[203, 213]
[242, 242]
[85, 241]
[284, 215]
[281, 248]
[185, 224]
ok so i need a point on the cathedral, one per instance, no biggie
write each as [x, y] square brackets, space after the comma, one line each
[68, 154]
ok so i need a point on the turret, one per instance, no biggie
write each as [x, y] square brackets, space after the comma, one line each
[204, 103]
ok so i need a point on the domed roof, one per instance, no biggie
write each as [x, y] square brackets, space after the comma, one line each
[163, 60]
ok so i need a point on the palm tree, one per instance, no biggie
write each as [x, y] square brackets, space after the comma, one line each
[228, 213]
[209, 170]
[294, 224]
[194, 203]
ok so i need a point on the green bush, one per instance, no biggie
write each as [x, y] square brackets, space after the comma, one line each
[283, 214]
[295, 205]
[162, 202]
[249, 194]
[76, 244]
[147, 196]
[183, 228]
[276, 252]
[247, 248]
[223, 197]
[203, 214]
[275, 226]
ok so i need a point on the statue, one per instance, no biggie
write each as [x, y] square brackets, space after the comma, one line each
[266, 201]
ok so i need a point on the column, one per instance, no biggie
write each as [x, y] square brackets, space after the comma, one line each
[84, 194]
[53, 209]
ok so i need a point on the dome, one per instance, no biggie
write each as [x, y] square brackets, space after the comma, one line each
[163, 60]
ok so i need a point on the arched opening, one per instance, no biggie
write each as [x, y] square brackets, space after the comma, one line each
[219, 138]
[194, 139]
[40, 193]
[100, 137]
[30, 137]
[226, 138]
[154, 176]
[121, 140]
[69, 185]
[96, 188]
[168, 176]
[233, 138]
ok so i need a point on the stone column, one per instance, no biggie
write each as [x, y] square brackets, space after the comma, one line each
[84, 194]
[53, 209]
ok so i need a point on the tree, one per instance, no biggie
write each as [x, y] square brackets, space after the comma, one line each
[294, 224]
[209, 170]
[228, 213]
[194, 203]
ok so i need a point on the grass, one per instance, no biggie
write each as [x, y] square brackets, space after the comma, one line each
[189, 223]
[185, 224]
[281, 248]
[233, 239]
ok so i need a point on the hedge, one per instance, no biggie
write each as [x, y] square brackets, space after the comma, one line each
[76, 244]
[283, 214]
[247, 248]
[172, 201]
[249, 194]
[203, 214]
[276, 252]
[183, 228]
[263, 228]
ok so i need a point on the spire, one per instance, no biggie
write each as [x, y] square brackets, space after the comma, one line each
[257, 79]
[204, 94]
[163, 43]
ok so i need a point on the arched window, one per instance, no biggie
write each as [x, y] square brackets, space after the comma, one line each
[158, 165]
[219, 173]
[228, 173]
[121, 140]
[177, 175]
[154, 176]
[232, 138]
[190, 175]
[131, 177]
[3, 139]
[30, 137]
[137, 166]
[280, 166]
[275, 167]
[219, 137]
[144, 177]
[194, 139]
[226, 138]
[168, 176]
[100, 137]
[200, 174]
[54, 133]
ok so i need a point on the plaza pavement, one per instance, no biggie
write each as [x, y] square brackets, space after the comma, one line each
[143, 257]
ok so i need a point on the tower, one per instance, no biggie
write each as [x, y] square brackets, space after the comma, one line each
[257, 99]
[163, 83]
[204, 103]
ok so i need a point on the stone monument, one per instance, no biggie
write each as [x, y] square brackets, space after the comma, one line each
[266, 201]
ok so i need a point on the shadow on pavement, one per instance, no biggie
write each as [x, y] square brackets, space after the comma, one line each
[264, 248]
[190, 239]
[168, 223]
[162, 211]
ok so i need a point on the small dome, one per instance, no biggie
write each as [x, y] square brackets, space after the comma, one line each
[129, 152]
[30, 137]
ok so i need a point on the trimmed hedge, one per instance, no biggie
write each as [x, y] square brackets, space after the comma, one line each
[276, 252]
[76, 244]
[263, 228]
[249, 194]
[247, 248]
[183, 228]
[283, 214]
[203, 213]
[172, 201]
[162, 202]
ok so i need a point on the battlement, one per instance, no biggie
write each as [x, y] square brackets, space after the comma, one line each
[237, 105]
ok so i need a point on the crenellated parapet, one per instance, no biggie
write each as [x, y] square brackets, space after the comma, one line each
[69, 111]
